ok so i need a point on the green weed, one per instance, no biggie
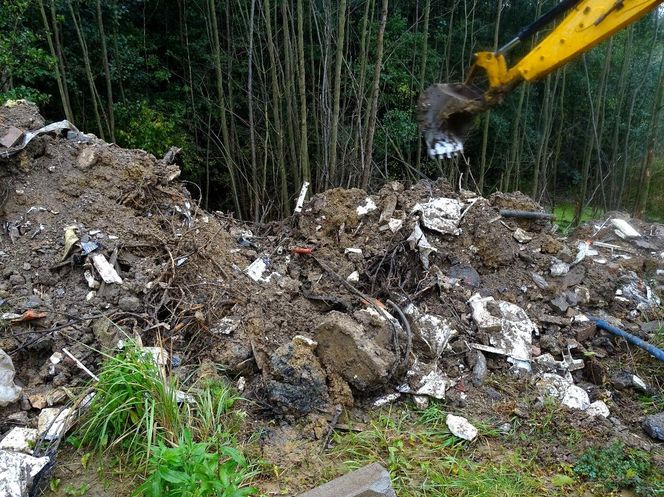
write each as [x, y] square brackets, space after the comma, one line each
[195, 469]
[617, 467]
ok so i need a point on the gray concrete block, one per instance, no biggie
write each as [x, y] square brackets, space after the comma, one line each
[370, 481]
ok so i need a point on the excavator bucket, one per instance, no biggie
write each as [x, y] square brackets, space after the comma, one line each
[445, 113]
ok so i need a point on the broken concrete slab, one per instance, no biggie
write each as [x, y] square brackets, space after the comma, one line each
[358, 354]
[19, 439]
[370, 481]
[17, 471]
[563, 389]
[435, 331]
[441, 215]
[53, 422]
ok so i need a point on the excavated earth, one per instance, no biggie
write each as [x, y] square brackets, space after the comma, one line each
[322, 319]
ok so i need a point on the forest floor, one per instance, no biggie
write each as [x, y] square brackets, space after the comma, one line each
[424, 294]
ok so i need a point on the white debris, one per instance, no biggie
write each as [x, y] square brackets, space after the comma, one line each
[576, 398]
[386, 399]
[434, 384]
[17, 471]
[639, 383]
[395, 224]
[559, 268]
[257, 269]
[19, 440]
[563, 389]
[434, 330]
[241, 384]
[300, 199]
[512, 331]
[225, 326]
[353, 277]
[624, 229]
[441, 214]
[583, 249]
[598, 408]
[417, 239]
[369, 205]
[56, 358]
[159, 355]
[353, 250]
[105, 270]
[53, 422]
[461, 427]
[421, 402]
[521, 236]
[9, 391]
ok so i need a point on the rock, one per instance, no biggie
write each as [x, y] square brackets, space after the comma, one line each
[17, 471]
[563, 389]
[130, 304]
[467, 274]
[369, 481]
[297, 381]
[653, 425]
[521, 236]
[479, 369]
[598, 408]
[11, 137]
[53, 422]
[88, 157]
[9, 391]
[16, 280]
[576, 398]
[48, 398]
[107, 333]
[558, 268]
[652, 326]
[358, 353]
[461, 427]
[560, 303]
[19, 440]
[624, 379]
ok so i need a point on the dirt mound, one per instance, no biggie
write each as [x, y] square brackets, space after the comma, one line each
[419, 291]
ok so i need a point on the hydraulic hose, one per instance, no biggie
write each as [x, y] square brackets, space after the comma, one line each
[648, 347]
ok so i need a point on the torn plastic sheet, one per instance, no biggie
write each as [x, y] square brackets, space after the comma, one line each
[441, 215]
[639, 292]
[417, 239]
[29, 135]
[510, 328]
[17, 471]
[9, 391]
[257, 269]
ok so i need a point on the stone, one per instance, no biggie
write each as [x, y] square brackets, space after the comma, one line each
[358, 352]
[11, 137]
[370, 481]
[87, 158]
[598, 408]
[19, 440]
[653, 425]
[16, 280]
[461, 427]
[297, 383]
[467, 274]
[130, 304]
[560, 303]
[47, 398]
[53, 422]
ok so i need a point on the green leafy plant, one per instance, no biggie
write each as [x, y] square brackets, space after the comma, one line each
[617, 467]
[195, 469]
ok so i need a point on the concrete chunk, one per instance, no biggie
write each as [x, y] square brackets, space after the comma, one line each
[370, 481]
[10, 137]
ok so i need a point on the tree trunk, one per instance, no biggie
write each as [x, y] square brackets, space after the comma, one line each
[373, 99]
[304, 148]
[341, 26]
[107, 72]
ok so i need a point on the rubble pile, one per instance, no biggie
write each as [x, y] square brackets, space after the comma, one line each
[357, 300]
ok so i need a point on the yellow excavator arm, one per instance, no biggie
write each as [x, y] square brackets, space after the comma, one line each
[445, 110]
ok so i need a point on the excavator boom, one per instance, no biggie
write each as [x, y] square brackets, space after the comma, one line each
[445, 111]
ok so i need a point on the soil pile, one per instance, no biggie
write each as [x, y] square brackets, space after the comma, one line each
[423, 291]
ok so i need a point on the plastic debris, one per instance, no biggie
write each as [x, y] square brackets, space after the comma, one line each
[256, 269]
[417, 239]
[441, 215]
[9, 391]
[461, 427]
[353, 277]
[29, 135]
[353, 250]
[386, 399]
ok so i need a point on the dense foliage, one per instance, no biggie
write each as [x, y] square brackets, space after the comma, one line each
[262, 95]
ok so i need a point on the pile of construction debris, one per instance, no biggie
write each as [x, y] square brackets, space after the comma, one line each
[354, 302]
